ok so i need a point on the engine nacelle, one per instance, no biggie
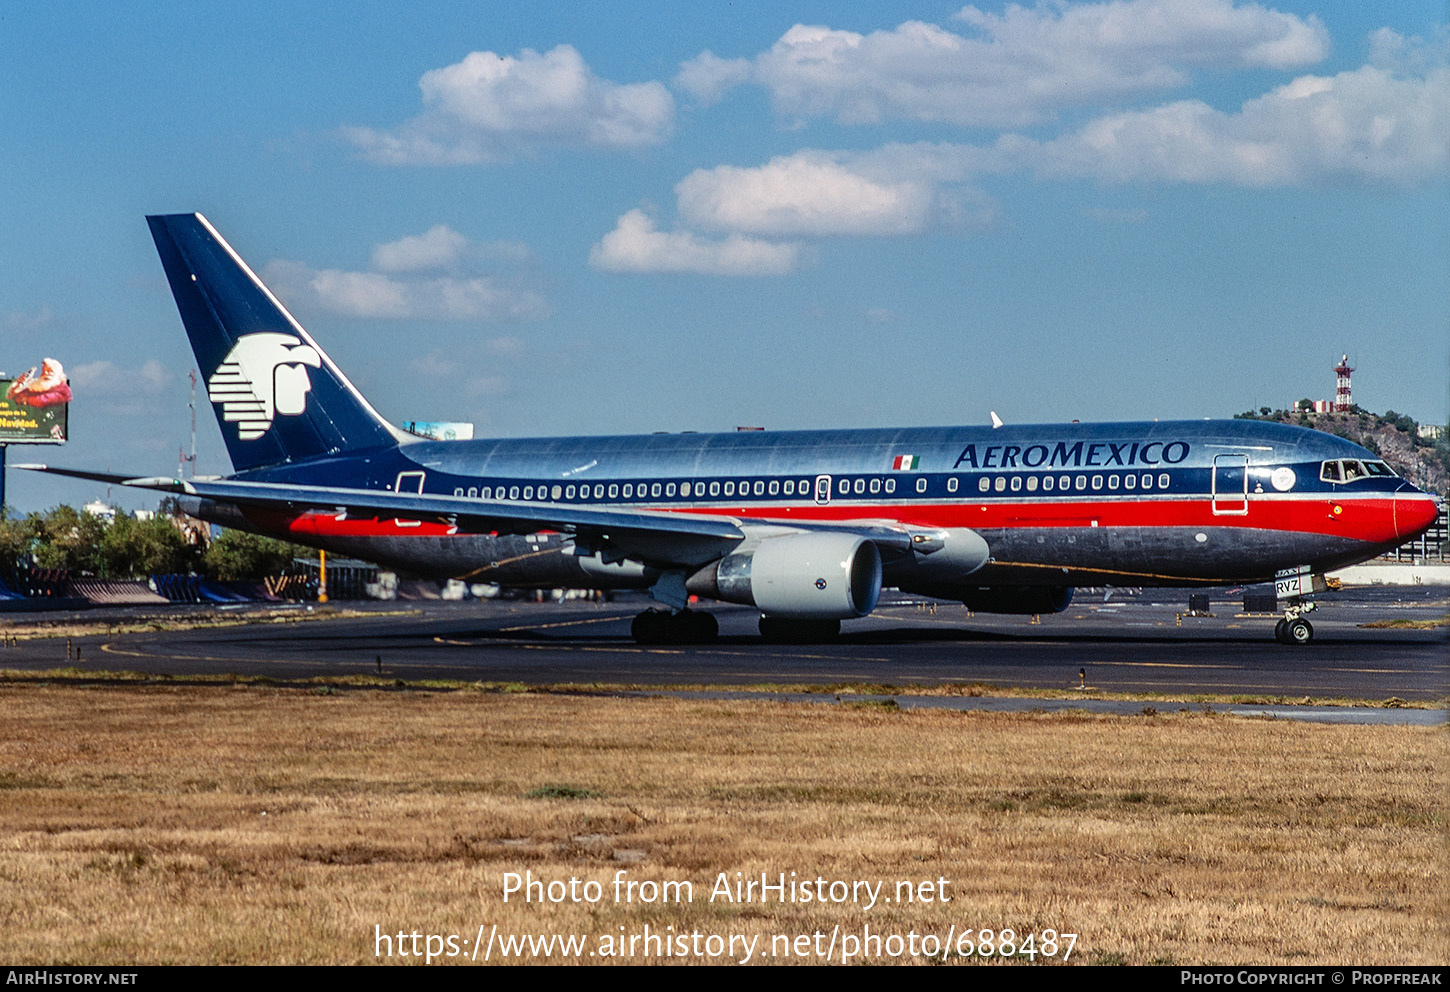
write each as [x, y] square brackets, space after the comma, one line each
[811, 576]
[1017, 599]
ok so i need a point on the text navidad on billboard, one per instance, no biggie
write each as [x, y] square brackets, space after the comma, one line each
[35, 407]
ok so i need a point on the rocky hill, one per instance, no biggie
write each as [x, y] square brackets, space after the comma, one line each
[1392, 436]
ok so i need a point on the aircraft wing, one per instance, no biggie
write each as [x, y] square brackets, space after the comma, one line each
[662, 538]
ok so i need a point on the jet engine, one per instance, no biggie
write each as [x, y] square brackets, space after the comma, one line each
[810, 576]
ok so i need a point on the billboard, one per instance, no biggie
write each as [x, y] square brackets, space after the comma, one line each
[439, 431]
[35, 406]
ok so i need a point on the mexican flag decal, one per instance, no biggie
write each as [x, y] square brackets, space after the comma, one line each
[905, 463]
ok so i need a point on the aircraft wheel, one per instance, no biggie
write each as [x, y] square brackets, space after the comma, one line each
[704, 628]
[1281, 631]
[685, 627]
[651, 627]
[1299, 631]
[781, 630]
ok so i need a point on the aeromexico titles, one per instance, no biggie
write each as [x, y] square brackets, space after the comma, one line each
[806, 526]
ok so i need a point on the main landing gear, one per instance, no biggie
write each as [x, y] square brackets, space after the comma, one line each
[682, 627]
[1293, 628]
[784, 630]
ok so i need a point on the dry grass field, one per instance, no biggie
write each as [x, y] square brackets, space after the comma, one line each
[251, 824]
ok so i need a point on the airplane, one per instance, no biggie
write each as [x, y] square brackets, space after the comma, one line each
[804, 526]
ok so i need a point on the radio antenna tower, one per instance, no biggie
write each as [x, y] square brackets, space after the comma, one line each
[1342, 399]
[186, 464]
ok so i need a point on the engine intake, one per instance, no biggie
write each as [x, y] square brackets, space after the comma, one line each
[813, 576]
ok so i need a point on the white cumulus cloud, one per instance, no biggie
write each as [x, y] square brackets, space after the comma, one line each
[898, 189]
[437, 248]
[636, 246]
[806, 193]
[1011, 69]
[419, 277]
[1364, 125]
[490, 107]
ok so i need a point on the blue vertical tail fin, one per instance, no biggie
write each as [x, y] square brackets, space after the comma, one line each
[278, 397]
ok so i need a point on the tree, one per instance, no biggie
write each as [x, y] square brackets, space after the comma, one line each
[132, 548]
[238, 555]
[16, 538]
[69, 539]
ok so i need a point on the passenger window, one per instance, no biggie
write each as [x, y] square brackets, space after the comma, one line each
[628, 490]
[845, 487]
[1129, 481]
[790, 487]
[670, 489]
[1147, 482]
[1047, 483]
[921, 485]
[613, 490]
[1080, 482]
[759, 488]
[528, 492]
[774, 487]
[730, 489]
[569, 492]
[1032, 483]
[1016, 483]
[1064, 483]
[599, 492]
[1163, 481]
[860, 486]
[876, 486]
[891, 485]
[513, 492]
[1112, 482]
[1000, 484]
[654, 489]
[984, 484]
[714, 489]
[556, 492]
[1097, 482]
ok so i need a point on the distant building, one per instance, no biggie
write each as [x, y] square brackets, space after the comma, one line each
[1432, 431]
[100, 510]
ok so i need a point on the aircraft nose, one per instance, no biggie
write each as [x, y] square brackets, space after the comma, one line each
[1414, 513]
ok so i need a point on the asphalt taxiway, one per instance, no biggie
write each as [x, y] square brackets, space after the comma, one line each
[1120, 644]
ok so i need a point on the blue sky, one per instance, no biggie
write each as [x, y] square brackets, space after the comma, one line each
[571, 218]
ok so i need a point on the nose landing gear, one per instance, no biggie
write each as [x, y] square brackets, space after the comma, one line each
[1293, 628]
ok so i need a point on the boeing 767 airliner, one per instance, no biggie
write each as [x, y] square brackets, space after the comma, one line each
[805, 526]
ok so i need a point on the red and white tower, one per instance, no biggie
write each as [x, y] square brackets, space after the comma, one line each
[1342, 399]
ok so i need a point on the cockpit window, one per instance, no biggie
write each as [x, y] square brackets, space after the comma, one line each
[1351, 469]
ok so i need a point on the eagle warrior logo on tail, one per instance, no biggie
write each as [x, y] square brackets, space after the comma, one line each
[262, 377]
